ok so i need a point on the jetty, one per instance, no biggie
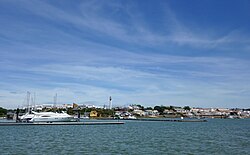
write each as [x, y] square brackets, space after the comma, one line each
[60, 123]
[168, 120]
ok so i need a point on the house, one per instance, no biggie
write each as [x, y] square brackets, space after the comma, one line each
[93, 113]
[169, 112]
[66, 106]
[75, 105]
[180, 110]
[151, 113]
[47, 106]
[139, 112]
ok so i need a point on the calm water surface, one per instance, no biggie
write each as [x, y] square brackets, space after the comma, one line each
[217, 136]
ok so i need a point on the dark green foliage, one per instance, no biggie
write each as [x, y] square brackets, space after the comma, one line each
[170, 108]
[160, 109]
[140, 106]
[149, 108]
[186, 108]
[70, 111]
[105, 112]
[3, 112]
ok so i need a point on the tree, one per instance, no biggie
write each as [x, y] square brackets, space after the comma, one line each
[3, 112]
[105, 112]
[149, 108]
[160, 109]
[70, 111]
[187, 108]
[140, 106]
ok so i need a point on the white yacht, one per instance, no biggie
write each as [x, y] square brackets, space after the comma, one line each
[47, 117]
[26, 117]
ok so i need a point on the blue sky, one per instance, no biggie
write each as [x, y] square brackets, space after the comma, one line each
[148, 52]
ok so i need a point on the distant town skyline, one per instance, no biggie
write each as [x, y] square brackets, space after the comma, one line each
[194, 53]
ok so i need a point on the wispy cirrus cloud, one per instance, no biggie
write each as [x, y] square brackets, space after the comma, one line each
[89, 17]
[192, 35]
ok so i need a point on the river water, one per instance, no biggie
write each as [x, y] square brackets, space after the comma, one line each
[217, 136]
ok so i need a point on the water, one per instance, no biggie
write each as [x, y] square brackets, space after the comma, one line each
[217, 136]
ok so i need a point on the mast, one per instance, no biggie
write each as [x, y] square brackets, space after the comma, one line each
[28, 101]
[31, 102]
[34, 100]
[55, 101]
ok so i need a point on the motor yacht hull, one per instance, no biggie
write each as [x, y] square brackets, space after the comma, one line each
[48, 117]
[53, 119]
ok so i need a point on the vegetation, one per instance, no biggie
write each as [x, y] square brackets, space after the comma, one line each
[101, 112]
[186, 108]
[70, 111]
[3, 112]
[171, 108]
[149, 108]
[160, 109]
[140, 106]
[105, 112]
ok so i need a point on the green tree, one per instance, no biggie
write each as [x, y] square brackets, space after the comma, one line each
[105, 112]
[149, 108]
[187, 108]
[70, 111]
[3, 112]
[171, 108]
[140, 106]
[160, 109]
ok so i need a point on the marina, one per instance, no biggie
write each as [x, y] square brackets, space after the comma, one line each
[122, 77]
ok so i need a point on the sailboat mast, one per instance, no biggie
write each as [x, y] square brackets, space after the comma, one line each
[28, 101]
[55, 100]
[34, 100]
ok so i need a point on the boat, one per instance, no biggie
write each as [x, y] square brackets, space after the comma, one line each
[82, 117]
[47, 117]
[26, 117]
[131, 117]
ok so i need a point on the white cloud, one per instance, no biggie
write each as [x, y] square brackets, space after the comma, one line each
[165, 87]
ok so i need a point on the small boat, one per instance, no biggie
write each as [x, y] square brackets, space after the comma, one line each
[84, 117]
[131, 117]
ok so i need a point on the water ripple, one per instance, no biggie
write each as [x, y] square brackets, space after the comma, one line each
[213, 137]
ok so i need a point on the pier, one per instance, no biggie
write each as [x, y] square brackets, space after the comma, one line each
[60, 123]
[168, 120]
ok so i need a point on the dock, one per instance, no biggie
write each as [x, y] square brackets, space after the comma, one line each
[168, 120]
[60, 123]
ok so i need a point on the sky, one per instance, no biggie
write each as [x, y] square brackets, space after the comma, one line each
[150, 52]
